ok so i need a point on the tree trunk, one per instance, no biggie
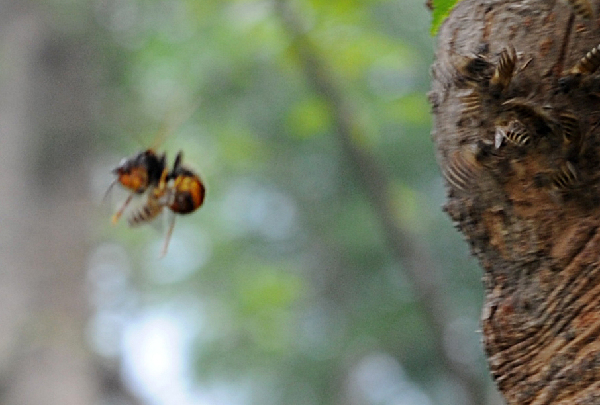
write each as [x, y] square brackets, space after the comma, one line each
[517, 137]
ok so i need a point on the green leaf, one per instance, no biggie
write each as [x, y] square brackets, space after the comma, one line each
[441, 9]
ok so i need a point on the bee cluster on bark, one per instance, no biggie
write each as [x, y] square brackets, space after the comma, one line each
[516, 101]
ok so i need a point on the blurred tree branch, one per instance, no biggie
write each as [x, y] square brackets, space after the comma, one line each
[407, 248]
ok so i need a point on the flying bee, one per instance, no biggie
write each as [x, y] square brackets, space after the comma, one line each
[583, 8]
[180, 190]
[515, 133]
[566, 177]
[462, 169]
[504, 69]
[138, 174]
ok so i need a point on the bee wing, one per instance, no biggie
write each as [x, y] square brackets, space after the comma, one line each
[499, 137]
[173, 120]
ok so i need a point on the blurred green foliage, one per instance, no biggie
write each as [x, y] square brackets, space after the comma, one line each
[441, 9]
[295, 279]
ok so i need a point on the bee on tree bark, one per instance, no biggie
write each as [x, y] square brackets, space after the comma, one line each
[504, 70]
[515, 133]
[463, 169]
[582, 8]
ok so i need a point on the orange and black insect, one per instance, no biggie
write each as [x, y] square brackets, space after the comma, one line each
[180, 190]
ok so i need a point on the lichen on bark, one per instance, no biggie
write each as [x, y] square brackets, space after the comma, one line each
[527, 201]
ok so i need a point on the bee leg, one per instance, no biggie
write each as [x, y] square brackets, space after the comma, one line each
[161, 189]
[168, 236]
[117, 215]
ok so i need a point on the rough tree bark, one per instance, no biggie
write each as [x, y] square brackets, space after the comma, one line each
[519, 149]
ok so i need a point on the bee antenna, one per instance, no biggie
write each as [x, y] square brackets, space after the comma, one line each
[115, 181]
[178, 160]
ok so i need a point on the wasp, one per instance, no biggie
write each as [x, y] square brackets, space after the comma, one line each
[582, 8]
[462, 169]
[504, 69]
[584, 67]
[474, 66]
[570, 128]
[471, 68]
[472, 103]
[539, 116]
[180, 190]
[515, 133]
[566, 177]
[588, 64]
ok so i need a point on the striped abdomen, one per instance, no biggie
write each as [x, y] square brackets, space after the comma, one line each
[582, 8]
[462, 169]
[145, 213]
[588, 64]
[504, 69]
[566, 177]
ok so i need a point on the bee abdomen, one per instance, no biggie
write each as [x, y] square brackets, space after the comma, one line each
[145, 213]
[540, 116]
[462, 169]
[515, 133]
[472, 103]
[570, 127]
[566, 177]
[588, 64]
[188, 195]
[582, 8]
[504, 69]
